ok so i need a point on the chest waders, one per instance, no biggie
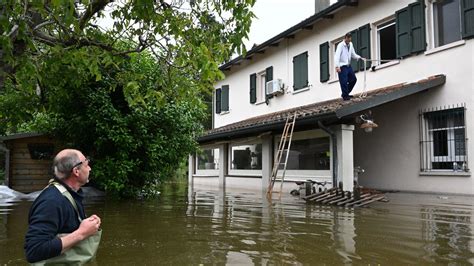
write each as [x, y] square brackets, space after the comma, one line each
[83, 251]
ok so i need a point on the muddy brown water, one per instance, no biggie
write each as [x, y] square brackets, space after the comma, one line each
[206, 226]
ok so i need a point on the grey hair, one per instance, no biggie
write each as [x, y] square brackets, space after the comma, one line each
[63, 165]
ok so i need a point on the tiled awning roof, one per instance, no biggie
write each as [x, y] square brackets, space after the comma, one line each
[328, 110]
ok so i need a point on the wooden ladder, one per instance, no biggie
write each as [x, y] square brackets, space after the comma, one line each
[283, 147]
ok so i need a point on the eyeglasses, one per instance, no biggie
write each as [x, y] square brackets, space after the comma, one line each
[80, 163]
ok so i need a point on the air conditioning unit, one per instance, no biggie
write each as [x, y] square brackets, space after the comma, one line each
[274, 87]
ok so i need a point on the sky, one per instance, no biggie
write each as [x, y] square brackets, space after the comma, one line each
[275, 16]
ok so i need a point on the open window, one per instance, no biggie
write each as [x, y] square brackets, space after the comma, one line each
[386, 41]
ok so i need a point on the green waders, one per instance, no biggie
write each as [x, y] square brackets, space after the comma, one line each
[83, 251]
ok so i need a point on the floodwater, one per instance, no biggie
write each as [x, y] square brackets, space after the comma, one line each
[204, 226]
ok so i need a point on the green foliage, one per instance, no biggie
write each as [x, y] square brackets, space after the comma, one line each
[130, 95]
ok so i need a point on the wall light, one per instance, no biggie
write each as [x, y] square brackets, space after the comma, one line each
[367, 122]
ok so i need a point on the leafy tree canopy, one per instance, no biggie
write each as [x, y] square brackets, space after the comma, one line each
[128, 93]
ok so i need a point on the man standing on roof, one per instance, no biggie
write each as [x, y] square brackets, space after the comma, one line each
[342, 59]
[57, 222]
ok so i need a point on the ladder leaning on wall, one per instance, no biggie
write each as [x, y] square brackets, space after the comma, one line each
[283, 147]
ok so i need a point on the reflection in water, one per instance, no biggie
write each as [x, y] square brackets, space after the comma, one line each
[205, 226]
[445, 231]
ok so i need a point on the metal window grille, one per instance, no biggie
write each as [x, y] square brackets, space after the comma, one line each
[443, 139]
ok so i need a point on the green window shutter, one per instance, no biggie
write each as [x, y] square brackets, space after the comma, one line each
[324, 62]
[364, 45]
[300, 71]
[225, 98]
[268, 74]
[417, 16]
[304, 70]
[355, 43]
[467, 18]
[253, 88]
[218, 101]
[403, 27]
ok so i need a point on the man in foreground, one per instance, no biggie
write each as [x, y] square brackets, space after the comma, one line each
[58, 210]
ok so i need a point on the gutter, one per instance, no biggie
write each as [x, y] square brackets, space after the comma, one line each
[334, 152]
[326, 13]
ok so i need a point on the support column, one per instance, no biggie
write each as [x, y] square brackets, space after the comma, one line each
[345, 156]
[267, 161]
[191, 169]
[223, 164]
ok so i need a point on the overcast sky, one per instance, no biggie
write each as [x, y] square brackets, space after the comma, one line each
[275, 16]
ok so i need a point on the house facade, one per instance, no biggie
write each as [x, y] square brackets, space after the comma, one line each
[419, 90]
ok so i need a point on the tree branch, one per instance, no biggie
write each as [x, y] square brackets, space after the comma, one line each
[14, 29]
[45, 23]
[94, 7]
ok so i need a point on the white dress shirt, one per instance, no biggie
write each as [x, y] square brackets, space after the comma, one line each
[344, 53]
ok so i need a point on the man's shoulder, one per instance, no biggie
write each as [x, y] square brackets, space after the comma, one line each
[49, 195]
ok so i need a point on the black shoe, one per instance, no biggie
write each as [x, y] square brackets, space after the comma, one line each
[346, 98]
[351, 96]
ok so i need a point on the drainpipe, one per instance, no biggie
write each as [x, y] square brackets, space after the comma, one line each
[334, 152]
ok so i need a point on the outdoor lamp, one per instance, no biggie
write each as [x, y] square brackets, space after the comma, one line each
[367, 123]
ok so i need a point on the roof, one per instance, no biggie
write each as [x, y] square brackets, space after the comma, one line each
[21, 136]
[333, 110]
[306, 24]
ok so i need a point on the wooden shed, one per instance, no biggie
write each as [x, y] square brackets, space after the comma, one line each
[28, 160]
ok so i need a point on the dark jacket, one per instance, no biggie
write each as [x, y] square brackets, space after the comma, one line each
[51, 214]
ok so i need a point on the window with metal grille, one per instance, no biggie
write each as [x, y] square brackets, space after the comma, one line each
[443, 139]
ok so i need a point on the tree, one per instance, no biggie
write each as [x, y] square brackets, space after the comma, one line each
[130, 93]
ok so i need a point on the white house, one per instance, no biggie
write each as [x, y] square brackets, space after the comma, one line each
[422, 102]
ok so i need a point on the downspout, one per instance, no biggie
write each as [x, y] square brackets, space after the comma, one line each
[334, 151]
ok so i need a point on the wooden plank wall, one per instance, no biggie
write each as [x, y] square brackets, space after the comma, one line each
[26, 174]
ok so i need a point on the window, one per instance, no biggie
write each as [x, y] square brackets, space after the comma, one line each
[446, 21]
[246, 157]
[300, 71]
[261, 81]
[41, 151]
[222, 99]
[386, 41]
[208, 159]
[258, 83]
[309, 154]
[443, 140]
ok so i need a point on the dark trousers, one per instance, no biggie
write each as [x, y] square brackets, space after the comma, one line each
[347, 79]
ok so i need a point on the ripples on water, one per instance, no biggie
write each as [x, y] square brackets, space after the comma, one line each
[205, 226]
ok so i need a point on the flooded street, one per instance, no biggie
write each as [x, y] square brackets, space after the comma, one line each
[201, 226]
